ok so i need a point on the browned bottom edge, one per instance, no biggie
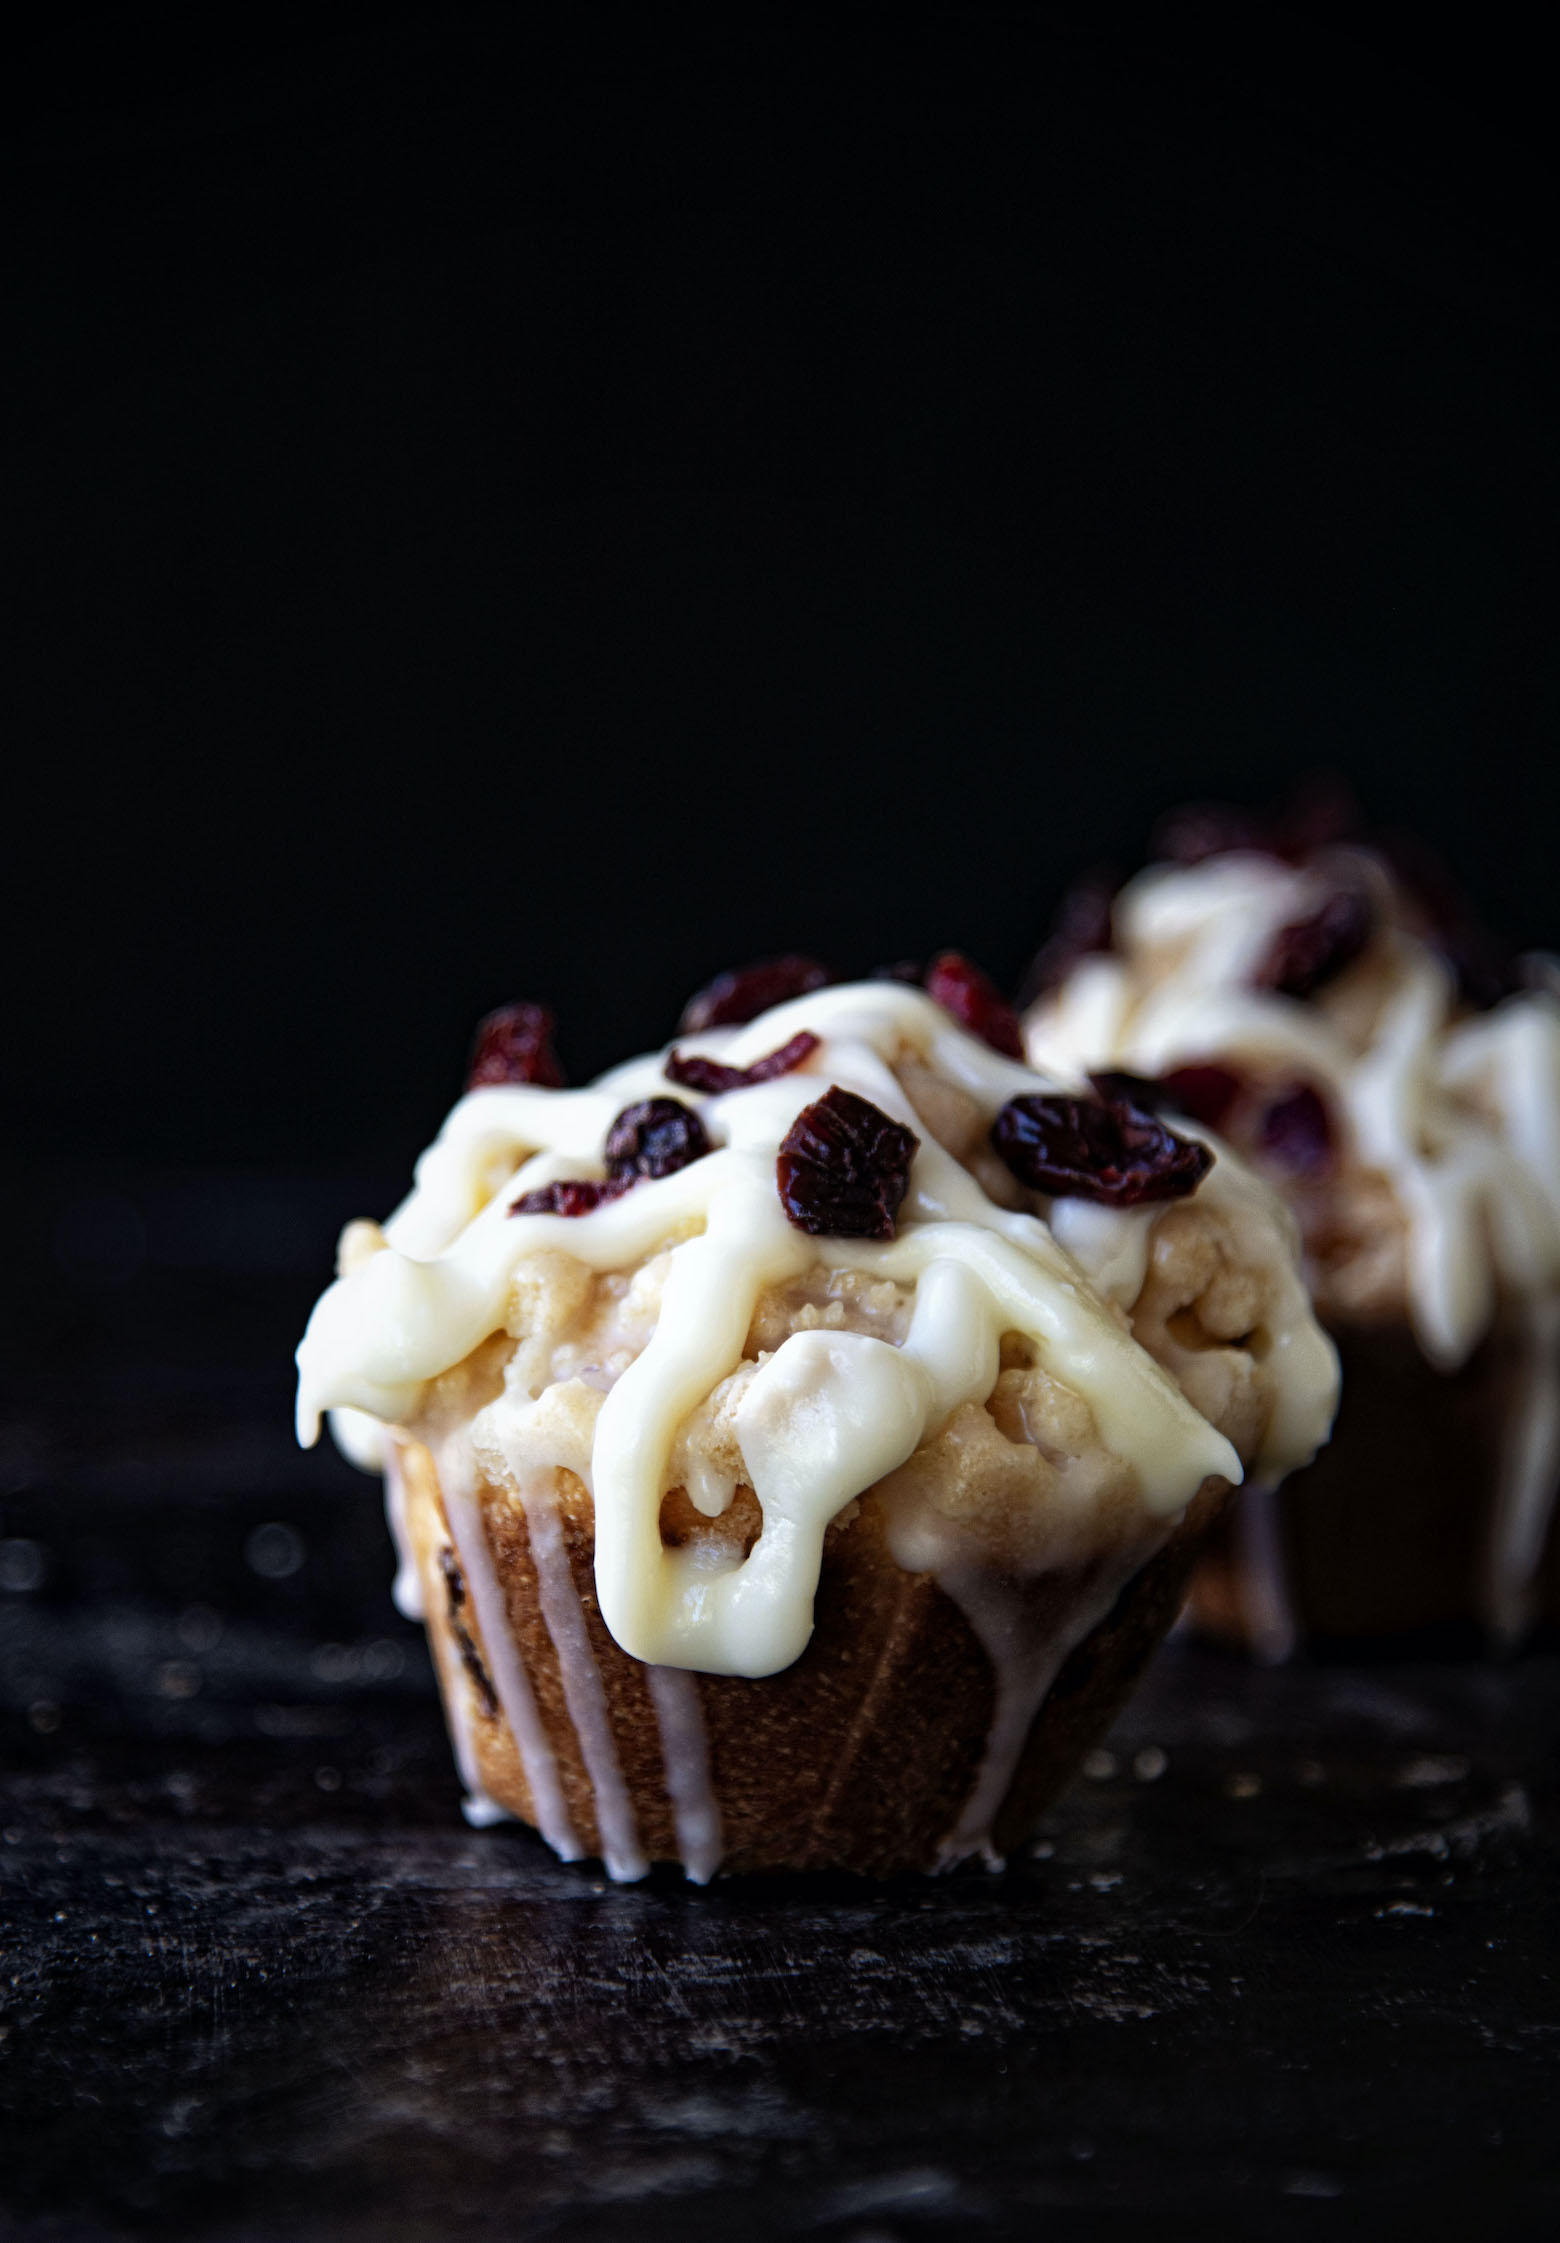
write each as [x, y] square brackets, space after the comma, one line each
[859, 1756]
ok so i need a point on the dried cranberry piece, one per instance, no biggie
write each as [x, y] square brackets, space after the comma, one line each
[1081, 927]
[975, 1002]
[1104, 1149]
[654, 1138]
[571, 1195]
[1205, 1091]
[514, 1045]
[1296, 1132]
[713, 1075]
[844, 1167]
[1114, 1084]
[1310, 952]
[742, 994]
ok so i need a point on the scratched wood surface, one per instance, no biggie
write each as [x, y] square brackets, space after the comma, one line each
[1283, 1961]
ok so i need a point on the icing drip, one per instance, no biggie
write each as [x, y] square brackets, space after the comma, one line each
[582, 1689]
[1530, 1474]
[685, 1756]
[510, 1679]
[1258, 1529]
[407, 1589]
[831, 1411]
[1024, 1663]
[360, 1438]
[479, 1809]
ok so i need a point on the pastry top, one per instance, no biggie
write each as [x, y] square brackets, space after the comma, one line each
[1311, 1007]
[788, 1255]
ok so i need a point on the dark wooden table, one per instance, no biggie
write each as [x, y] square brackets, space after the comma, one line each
[1282, 1964]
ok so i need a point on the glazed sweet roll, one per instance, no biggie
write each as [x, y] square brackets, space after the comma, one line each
[798, 1439]
[1332, 1008]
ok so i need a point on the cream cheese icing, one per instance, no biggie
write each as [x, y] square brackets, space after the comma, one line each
[829, 1413]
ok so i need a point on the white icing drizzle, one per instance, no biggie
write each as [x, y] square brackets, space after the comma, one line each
[407, 1590]
[1270, 1615]
[1462, 1117]
[583, 1693]
[478, 1806]
[830, 1412]
[1530, 1473]
[1111, 1244]
[511, 1683]
[360, 1438]
[479, 1809]
[685, 1756]
[1025, 1662]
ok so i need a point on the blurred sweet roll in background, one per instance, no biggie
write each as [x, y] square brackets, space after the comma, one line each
[1324, 998]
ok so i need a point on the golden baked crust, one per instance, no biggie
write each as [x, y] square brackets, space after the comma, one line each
[859, 1756]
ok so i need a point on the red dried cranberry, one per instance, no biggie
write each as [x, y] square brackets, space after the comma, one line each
[1296, 1132]
[514, 1045]
[1081, 927]
[713, 1075]
[1107, 1150]
[654, 1138]
[570, 1195]
[742, 994]
[1206, 1092]
[844, 1167]
[974, 1000]
[1115, 1084]
[1312, 951]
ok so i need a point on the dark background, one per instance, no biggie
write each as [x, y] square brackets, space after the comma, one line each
[507, 503]
[521, 505]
